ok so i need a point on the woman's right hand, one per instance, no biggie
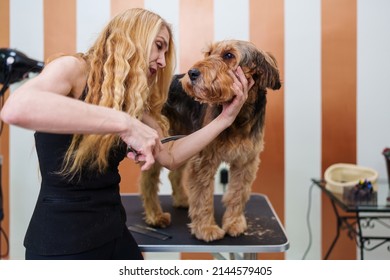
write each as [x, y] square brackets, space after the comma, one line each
[143, 142]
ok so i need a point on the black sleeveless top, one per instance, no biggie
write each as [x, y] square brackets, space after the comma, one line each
[77, 215]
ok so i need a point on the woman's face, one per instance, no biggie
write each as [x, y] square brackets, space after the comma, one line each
[157, 55]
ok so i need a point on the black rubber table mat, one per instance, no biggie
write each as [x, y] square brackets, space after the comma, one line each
[264, 233]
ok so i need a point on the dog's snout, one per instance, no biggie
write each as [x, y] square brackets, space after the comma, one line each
[193, 74]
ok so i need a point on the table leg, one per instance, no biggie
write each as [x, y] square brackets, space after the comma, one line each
[337, 233]
[250, 256]
[360, 236]
[236, 256]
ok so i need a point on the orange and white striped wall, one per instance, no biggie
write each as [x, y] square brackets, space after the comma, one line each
[333, 107]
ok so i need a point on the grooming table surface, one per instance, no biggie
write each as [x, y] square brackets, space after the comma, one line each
[265, 233]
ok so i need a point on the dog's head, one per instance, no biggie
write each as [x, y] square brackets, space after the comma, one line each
[209, 80]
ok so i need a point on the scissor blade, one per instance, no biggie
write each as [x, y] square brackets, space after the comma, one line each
[163, 140]
[171, 138]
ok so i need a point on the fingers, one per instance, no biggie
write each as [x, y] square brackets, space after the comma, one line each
[237, 84]
[251, 82]
[145, 156]
[241, 76]
[241, 85]
[147, 159]
[148, 163]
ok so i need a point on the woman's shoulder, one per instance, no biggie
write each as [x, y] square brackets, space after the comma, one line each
[69, 62]
[72, 69]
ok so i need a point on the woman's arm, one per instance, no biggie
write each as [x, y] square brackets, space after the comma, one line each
[49, 103]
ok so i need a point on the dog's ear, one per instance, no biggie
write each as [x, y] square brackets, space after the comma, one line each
[267, 72]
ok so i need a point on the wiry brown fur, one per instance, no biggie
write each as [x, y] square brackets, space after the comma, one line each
[209, 82]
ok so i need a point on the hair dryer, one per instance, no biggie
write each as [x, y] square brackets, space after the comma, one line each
[15, 66]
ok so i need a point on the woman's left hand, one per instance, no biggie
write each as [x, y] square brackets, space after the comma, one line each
[241, 86]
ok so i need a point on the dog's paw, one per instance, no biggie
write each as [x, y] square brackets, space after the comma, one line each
[235, 227]
[208, 233]
[162, 220]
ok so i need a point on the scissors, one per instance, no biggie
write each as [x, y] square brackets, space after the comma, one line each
[171, 138]
[163, 141]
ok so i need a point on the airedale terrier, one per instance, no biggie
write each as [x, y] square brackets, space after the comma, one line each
[209, 82]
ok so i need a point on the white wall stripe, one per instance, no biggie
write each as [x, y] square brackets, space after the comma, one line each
[231, 20]
[302, 89]
[373, 96]
[169, 10]
[26, 35]
[373, 75]
[92, 16]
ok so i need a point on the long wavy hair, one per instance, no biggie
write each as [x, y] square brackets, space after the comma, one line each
[118, 67]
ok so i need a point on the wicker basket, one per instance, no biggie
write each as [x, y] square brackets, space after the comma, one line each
[341, 175]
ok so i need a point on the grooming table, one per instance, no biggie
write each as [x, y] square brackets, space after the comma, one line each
[265, 233]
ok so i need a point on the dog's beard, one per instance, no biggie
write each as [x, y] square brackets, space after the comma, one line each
[217, 90]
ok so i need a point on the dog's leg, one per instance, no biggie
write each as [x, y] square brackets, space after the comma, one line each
[179, 192]
[242, 176]
[149, 188]
[199, 177]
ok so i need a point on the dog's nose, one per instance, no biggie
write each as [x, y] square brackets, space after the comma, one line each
[193, 74]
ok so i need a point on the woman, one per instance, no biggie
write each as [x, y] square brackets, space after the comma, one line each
[87, 110]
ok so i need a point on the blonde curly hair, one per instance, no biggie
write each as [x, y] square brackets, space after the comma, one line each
[118, 65]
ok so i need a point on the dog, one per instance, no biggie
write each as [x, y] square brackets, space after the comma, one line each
[194, 100]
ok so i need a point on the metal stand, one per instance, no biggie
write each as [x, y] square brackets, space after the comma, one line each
[350, 223]
[236, 256]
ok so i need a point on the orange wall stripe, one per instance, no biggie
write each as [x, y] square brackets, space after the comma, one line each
[339, 68]
[118, 6]
[4, 23]
[4, 137]
[59, 19]
[267, 33]
[196, 30]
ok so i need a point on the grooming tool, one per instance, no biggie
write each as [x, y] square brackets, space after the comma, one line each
[171, 138]
[149, 231]
[163, 140]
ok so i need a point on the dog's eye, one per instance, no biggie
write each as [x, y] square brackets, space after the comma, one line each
[228, 55]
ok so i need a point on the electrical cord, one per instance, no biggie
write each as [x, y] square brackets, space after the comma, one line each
[308, 223]
[224, 177]
[2, 231]
[1, 107]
